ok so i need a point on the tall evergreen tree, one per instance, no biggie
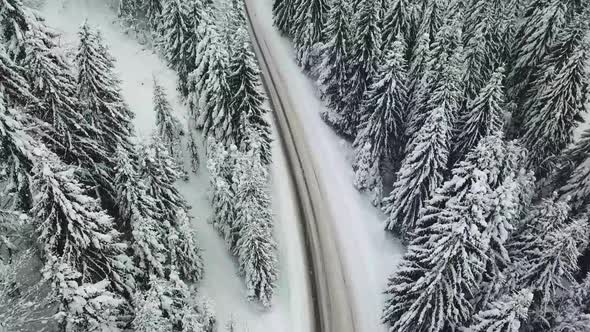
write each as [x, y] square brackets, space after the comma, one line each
[484, 116]
[535, 35]
[247, 100]
[309, 29]
[557, 109]
[152, 9]
[284, 15]
[397, 21]
[253, 242]
[333, 78]
[168, 127]
[99, 89]
[420, 174]
[381, 129]
[198, 15]
[430, 291]
[365, 52]
[72, 226]
[173, 32]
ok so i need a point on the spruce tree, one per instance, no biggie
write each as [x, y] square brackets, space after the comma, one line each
[549, 123]
[483, 117]
[333, 78]
[69, 134]
[284, 15]
[168, 127]
[420, 174]
[577, 187]
[198, 14]
[173, 33]
[431, 289]
[381, 127]
[220, 165]
[247, 99]
[152, 9]
[504, 315]
[309, 29]
[73, 227]
[397, 22]
[433, 16]
[99, 89]
[537, 32]
[252, 231]
[365, 52]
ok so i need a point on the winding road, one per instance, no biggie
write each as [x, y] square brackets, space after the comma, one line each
[333, 307]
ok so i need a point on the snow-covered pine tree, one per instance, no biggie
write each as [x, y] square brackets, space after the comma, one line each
[552, 261]
[73, 227]
[83, 306]
[251, 194]
[577, 187]
[220, 165]
[284, 15]
[152, 11]
[333, 80]
[251, 233]
[432, 18]
[198, 15]
[138, 215]
[173, 34]
[310, 21]
[130, 11]
[397, 21]
[381, 135]
[504, 315]
[15, 20]
[364, 57]
[441, 83]
[169, 305]
[193, 150]
[420, 174]
[540, 24]
[258, 262]
[570, 159]
[246, 106]
[210, 90]
[99, 90]
[482, 44]
[560, 98]
[570, 314]
[168, 128]
[484, 116]
[431, 289]
[158, 171]
[68, 133]
[417, 77]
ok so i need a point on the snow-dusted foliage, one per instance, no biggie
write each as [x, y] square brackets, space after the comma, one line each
[73, 227]
[333, 69]
[420, 174]
[284, 15]
[246, 105]
[168, 127]
[484, 116]
[380, 138]
[309, 23]
[172, 306]
[504, 315]
[398, 22]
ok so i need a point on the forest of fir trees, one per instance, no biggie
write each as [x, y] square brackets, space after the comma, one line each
[208, 46]
[94, 234]
[462, 115]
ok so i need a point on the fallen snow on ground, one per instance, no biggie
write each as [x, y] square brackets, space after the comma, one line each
[370, 254]
[136, 66]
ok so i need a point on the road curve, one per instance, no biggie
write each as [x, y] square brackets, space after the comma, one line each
[333, 308]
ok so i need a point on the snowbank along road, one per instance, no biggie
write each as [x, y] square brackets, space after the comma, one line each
[333, 307]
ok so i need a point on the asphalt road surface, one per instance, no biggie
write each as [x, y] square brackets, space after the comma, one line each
[332, 309]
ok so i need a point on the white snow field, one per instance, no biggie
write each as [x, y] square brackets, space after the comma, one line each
[370, 254]
[136, 66]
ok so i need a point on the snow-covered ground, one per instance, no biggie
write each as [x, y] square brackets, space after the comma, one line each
[136, 66]
[370, 254]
